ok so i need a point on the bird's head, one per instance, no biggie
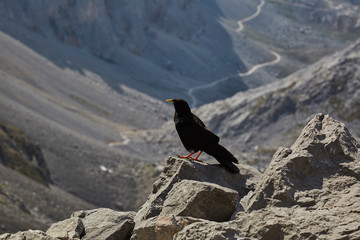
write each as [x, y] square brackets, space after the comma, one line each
[181, 106]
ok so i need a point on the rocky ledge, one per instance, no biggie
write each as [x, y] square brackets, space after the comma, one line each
[309, 191]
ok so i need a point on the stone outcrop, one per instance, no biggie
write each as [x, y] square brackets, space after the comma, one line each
[193, 189]
[102, 223]
[105, 223]
[323, 155]
[161, 227]
[201, 200]
[309, 191]
[210, 230]
[27, 235]
[67, 229]
[177, 169]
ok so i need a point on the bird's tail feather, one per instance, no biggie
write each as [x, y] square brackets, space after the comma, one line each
[224, 157]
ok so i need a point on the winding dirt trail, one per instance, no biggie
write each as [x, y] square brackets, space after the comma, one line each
[258, 11]
[240, 23]
[261, 65]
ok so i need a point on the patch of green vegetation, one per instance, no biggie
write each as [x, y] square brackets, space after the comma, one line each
[89, 105]
[3, 135]
[13, 152]
[18, 162]
[3, 194]
[14, 133]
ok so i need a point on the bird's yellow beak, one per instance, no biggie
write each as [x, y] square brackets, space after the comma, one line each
[170, 100]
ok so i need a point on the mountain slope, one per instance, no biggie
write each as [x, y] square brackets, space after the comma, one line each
[27, 204]
[19, 153]
[167, 48]
[76, 117]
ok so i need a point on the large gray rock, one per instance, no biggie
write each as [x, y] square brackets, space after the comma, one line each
[102, 223]
[107, 224]
[200, 200]
[161, 227]
[177, 169]
[309, 191]
[324, 154]
[206, 230]
[66, 229]
[27, 235]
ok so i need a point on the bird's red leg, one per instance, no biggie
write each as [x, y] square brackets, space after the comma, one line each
[196, 158]
[188, 156]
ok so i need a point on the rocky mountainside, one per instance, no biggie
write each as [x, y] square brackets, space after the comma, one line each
[77, 119]
[339, 15]
[28, 204]
[178, 47]
[309, 191]
[28, 199]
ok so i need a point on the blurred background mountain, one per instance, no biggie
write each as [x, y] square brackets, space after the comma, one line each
[83, 84]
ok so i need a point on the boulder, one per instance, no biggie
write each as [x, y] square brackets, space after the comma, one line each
[310, 190]
[27, 235]
[200, 200]
[161, 227]
[66, 229]
[324, 159]
[107, 224]
[177, 169]
[338, 222]
[102, 223]
[207, 230]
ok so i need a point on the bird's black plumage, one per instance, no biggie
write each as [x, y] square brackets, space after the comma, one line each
[196, 137]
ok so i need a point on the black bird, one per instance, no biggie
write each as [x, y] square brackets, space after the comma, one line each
[196, 137]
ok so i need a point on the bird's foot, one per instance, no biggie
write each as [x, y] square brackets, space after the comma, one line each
[187, 157]
[195, 159]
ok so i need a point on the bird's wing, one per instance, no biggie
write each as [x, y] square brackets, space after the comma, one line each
[196, 137]
[204, 132]
[198, 121]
